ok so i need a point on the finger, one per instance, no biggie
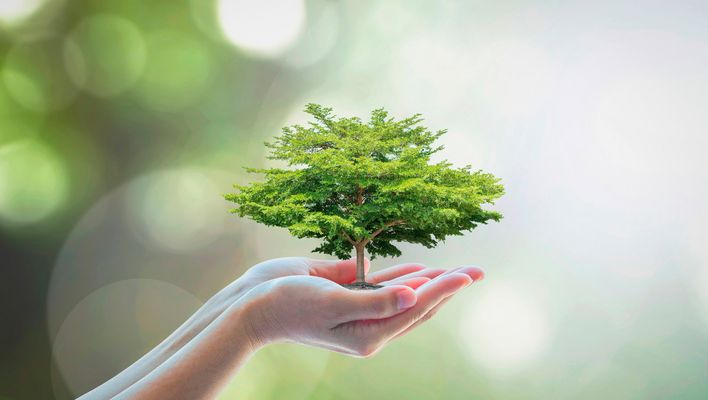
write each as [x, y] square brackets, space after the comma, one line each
[340, 271]
[412, 283]
[424, 318]
[427, 273]
[393, 272]
[429, 295]
[354, 305]
[475, 273]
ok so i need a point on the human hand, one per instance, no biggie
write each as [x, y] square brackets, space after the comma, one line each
[286, 299]
[318, 311]
[337, 271]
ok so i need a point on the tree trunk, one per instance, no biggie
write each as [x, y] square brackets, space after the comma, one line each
[360, 273]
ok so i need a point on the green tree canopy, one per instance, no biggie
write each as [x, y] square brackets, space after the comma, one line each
[365, 185]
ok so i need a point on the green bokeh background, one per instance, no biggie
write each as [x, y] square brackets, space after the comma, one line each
[123, 122]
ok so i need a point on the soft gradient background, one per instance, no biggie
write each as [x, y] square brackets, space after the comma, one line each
[123, 122]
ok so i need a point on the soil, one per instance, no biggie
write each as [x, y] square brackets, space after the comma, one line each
[361, 286]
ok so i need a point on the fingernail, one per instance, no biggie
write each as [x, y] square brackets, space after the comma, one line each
[406, 299]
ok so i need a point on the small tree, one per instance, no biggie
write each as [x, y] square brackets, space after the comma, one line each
[363, 185]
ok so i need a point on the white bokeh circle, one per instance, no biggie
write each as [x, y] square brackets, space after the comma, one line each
[13, 11]
[180, 210]
[506, 329]
[261, 28]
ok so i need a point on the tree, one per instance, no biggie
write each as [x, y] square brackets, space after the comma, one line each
[363, 185]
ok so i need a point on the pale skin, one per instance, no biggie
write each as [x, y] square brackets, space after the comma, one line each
[296, 300]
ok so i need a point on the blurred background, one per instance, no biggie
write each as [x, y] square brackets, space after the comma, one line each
[123, 122]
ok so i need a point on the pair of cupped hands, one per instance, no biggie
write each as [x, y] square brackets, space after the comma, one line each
[301, 300]
[297, 300]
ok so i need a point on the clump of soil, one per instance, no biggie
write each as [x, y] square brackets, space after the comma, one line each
[361, 286]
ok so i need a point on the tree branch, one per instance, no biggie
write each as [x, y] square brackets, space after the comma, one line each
[383, 228]
[349, 238]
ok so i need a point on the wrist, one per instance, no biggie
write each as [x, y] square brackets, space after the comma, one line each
[247, 315]
[210, 311]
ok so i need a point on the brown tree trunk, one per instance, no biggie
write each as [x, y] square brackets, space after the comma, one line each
[360, 273]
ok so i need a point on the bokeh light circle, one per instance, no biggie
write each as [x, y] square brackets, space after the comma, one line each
[105, 54]
[14, 11]
[178, 70]
[262, 28]
[34, 80]
[505, 329]
[110, 243]
[34, 182]
[114, 326]
[178, 210]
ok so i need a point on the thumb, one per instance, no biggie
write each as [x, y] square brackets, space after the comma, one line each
[351, 305]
